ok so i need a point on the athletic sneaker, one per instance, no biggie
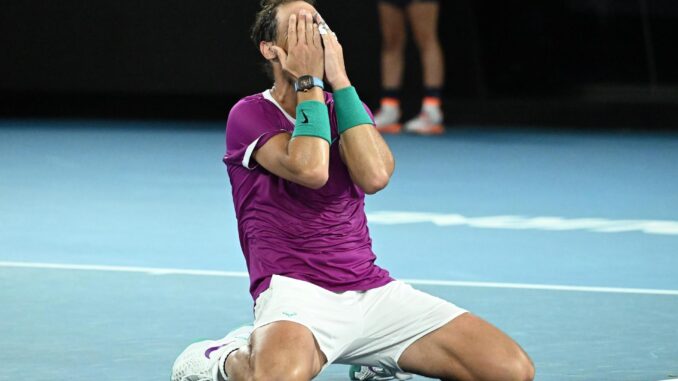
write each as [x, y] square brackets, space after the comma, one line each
[202, 361]
[388, 117]
[429, 121]
[374, 373]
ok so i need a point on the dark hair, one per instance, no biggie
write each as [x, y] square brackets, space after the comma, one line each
[265, 27]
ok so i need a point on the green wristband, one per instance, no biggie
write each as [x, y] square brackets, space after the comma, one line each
[349, 109]
[313, 120]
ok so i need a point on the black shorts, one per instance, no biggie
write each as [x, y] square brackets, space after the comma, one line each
[405, 3]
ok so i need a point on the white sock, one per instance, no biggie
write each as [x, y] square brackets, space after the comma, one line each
[434, 112]
[221, 364]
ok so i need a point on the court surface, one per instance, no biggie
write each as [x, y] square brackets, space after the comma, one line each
[118, 245]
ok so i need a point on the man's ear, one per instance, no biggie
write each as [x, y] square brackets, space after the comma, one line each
[265, 47]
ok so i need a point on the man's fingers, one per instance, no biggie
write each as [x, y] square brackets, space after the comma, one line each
[318, 19]
[327, 38]
[309, 28]
[334, 40]
[316, 36]
[301, 28]
[282, 56]
[292, 31]
[323, 29]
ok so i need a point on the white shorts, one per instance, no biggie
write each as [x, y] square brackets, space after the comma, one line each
[371, 327]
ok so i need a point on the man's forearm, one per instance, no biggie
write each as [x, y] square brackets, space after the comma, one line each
[308, 150]
[367, 157]
[364, 151]
[314, 94]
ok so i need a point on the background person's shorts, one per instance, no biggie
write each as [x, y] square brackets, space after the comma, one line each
[405, 3]
[371, 327]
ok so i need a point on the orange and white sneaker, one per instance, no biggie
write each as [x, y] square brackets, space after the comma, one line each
[387, 118]
[429, 121]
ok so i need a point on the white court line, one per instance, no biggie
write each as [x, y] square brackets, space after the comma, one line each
[549, 223]
[238, 274]
[125, 269]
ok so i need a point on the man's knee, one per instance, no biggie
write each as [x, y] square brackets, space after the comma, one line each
[283, 372]
[527, 370]
[513, 368]
[283, 351]
[279, 369]
[518, 368]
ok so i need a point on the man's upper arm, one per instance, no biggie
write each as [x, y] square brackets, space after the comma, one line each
[248, 128]
[304, 160]
[272, 155]
[254, 137]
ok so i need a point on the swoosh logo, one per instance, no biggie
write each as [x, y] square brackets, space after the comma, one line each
[209, 350]
[305, 117]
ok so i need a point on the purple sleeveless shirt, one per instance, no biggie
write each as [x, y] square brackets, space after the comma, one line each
[319, 236]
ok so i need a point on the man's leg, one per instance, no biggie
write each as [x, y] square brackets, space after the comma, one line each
[283, 351]
[465, 349]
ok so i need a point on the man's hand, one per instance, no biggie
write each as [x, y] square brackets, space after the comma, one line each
[335, 71]
[304, 48]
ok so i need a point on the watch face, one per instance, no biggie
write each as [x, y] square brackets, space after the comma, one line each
[305, 82]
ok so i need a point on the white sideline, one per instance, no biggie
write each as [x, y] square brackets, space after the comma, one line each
[550, 223]
[427, 282]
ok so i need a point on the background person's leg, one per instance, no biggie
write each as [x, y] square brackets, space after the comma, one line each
[467, 349]
[392, 21]
[393, 38]
[423, 17]
[284, 351]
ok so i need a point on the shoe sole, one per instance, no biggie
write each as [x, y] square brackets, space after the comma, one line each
[393, 129]
[436, 129]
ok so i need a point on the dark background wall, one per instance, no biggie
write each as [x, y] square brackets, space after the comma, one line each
[507, 61]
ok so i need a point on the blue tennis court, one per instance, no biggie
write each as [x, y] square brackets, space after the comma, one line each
[118, 244]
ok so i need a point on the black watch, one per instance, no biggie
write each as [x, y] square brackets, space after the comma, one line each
[307, 82]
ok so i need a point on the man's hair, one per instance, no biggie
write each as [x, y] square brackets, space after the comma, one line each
[265, 27]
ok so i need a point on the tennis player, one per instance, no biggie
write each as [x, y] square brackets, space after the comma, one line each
[300, 161]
